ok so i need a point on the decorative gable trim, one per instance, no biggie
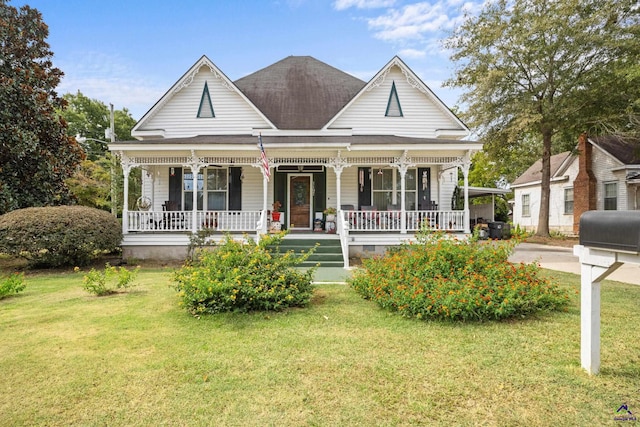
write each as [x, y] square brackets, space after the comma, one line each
[184, 82]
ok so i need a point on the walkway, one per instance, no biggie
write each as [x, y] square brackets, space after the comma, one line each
[562, 259]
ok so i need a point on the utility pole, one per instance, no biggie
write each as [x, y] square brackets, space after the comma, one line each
[112, 135]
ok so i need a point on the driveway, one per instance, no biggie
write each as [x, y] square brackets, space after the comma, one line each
[562, 259]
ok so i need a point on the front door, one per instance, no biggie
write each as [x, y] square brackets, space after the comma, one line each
[300, 209]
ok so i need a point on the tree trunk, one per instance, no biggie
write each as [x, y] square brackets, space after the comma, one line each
[545, 185]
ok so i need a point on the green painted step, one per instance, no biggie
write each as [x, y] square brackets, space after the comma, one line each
[327, 254]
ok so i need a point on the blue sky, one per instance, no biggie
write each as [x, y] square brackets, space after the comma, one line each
[130, 52]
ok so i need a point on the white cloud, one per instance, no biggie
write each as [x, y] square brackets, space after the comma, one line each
[412, 53]
[362, 4]
[110, 79]
[413, 21]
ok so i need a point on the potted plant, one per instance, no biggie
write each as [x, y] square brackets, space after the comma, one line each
[275, 214]
[330, 214]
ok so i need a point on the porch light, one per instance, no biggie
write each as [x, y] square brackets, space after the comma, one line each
[380, 171]
[173, 171]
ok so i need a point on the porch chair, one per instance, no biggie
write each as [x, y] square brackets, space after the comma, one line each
[394, 219]
[172, 221]
[370, 216]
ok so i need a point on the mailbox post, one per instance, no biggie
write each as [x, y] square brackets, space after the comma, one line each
[608, 239]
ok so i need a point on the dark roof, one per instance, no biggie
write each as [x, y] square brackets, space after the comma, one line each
[299, 92]
[534, 173]
[625, 151]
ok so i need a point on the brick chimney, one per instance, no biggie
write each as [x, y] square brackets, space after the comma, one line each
[584, 186]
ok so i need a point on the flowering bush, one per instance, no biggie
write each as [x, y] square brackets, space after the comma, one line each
[11, 284]
[244, 276]
[447, 279]
[108, 281]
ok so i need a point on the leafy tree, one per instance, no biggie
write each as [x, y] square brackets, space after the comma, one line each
[546, 71]
[90, 118]
[36, 155]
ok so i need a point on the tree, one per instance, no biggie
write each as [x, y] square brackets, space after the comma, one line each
[90, 118]
[92, 183]
[546, 70]
[36, 155]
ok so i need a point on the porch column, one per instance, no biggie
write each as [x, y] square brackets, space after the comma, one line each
[440, 173]
[126, 169]
[195, 165]
[466, 165]
[338, 164]
[403, 164]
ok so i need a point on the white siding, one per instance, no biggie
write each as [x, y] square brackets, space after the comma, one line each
[349, 178]
[527, 222]
[178, 117]
[252, 190]
[558, 220]
[602, 165]
[421, 117]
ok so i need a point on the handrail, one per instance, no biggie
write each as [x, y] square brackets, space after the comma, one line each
[343, 232]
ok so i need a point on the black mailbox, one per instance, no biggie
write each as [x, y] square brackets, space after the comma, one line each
[615, 230]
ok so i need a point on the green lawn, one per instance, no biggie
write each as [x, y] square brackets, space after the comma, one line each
[70, 358]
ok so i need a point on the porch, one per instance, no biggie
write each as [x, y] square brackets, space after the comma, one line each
[366, 221]
[166, 234]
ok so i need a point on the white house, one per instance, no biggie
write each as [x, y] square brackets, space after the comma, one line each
[383, 153]
[603, 173]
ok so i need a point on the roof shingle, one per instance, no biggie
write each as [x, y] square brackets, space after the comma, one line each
[299, 92]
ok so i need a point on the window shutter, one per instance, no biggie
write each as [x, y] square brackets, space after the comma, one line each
[235, 189]
[175, 186]
[364, 187]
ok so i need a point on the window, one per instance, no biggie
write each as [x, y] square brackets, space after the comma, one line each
[206, 107]
[382, 187]
[526, 208]
[393, 105]
[386, 189]
[568, 201]
[212, 189]
[610, 196]
[217, 189]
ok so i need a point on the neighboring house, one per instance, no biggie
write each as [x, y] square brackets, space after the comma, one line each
[602, 174]
[383, 153]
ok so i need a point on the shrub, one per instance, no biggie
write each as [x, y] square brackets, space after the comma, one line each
[447, 279]
[59, 235]
[244, 276]
[109, 280]
[12, 284]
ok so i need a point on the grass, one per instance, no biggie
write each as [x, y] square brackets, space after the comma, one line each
[70, 358]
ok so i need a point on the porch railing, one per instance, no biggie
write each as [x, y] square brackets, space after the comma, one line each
[247, 221]
[171, 221]
[415, 220]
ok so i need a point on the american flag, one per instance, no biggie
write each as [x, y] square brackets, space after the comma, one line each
[263, 157]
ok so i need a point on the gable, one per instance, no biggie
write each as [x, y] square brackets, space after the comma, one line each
[559, 163]
[422, 113]
[179, 112]
[625, 152]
